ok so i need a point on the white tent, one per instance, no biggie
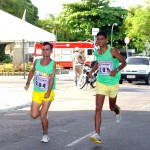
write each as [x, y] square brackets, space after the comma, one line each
[14, 29]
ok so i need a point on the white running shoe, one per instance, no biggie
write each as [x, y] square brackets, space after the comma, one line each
[118, 116]
[45, 138]
[95, 138]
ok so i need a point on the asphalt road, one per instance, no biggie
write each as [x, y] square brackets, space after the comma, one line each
[71, 119]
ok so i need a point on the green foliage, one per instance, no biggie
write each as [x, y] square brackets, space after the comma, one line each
[7, 59]
[137, 25]
[29, 66]
[8, 67]
[77, 19]
[1, 68]
[4, 58]
[17, 7]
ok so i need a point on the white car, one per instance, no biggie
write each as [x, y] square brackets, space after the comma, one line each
[137, 69]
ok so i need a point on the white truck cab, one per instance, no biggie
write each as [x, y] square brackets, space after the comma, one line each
[137, 69]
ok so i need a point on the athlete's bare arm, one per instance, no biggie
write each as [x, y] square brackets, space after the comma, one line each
[47, 94]
[95, 67]
[31, 73]
[117, 55]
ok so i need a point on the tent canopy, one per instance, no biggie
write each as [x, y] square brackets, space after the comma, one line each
[14, 29]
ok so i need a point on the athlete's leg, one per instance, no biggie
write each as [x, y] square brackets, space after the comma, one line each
[113, 98]
[115, 108]
[98, 111]
[112, 103]
[35, 110]
[43, 115]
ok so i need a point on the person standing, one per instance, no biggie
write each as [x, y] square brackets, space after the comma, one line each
[83, 55]
[78, 60]
[109, 63]
[44, 85]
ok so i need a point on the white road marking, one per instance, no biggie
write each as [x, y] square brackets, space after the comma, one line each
[80, 139]
[145, 106]
[63, 130]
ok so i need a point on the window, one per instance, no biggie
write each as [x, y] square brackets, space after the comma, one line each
[138, 61]
[66, 52]
[31, 44]
[89, 51]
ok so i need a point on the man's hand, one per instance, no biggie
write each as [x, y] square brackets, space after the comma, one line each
[47, 94]
[113, 73]
[26, 87]
[90, 75]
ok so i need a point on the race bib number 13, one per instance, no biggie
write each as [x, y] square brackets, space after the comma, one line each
[105, 67]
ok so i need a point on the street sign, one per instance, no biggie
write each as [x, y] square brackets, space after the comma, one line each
[127, 40]
[95, 31]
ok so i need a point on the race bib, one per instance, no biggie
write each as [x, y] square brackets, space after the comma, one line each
[41, 80]
[105, 67]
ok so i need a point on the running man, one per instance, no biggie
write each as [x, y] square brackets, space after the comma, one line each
[44, 84]
[109, 63]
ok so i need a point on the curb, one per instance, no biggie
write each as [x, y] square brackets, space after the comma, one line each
[11, 109]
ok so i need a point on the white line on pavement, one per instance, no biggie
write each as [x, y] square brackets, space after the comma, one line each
[80, 139]
[145, 106]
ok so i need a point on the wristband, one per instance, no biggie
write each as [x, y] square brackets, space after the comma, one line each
[28, 83]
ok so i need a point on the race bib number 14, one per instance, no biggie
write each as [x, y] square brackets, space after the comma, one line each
[105, 67]
[41, 80]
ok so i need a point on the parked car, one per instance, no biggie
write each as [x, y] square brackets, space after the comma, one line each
[137, 69]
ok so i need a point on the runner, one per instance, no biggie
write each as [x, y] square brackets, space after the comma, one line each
[44, 84]
[107, 84]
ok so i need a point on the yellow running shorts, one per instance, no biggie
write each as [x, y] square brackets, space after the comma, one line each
[39, 96]
[107, 90]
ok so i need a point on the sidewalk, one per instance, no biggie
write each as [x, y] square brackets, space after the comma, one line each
[12, 93]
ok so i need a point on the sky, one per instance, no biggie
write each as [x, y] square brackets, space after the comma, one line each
[46, 7]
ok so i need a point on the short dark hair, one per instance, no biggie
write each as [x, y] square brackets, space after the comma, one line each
[48, 43]
[102, 33]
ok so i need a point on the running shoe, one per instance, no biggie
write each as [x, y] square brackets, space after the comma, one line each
[95, 138]
[45, 138]
[118, 116]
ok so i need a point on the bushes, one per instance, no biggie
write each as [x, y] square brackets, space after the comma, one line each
[7, 68]
[29, 66]
[10, 68]
[5, 59]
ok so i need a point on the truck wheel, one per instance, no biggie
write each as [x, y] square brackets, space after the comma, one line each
[147, 81]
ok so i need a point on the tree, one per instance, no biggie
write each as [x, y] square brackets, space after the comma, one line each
[77, 19]
[17, 7]
[137, 25]
[49, 24]
[82, 16]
